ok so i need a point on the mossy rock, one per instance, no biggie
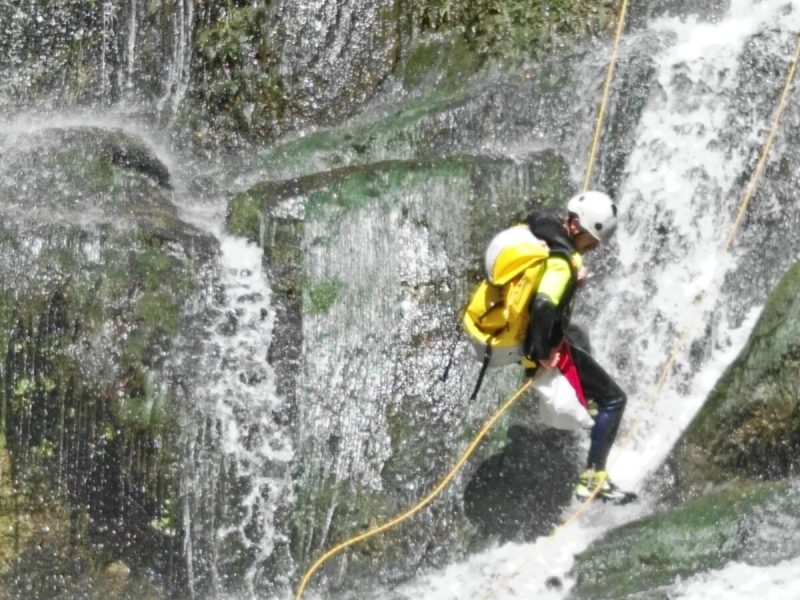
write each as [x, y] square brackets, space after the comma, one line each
[377, 217]
[351, 509]
[432, 46]
[446, 123]
[440, 62]
[252, 78]
[102, 281]
[516, 30]
[750, 424]
[705, 534]
[88, 175]
[328, 196]
[243, 217]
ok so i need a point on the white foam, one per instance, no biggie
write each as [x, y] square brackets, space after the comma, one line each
[740, 581]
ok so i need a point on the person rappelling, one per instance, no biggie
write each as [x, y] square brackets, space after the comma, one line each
[521, 314]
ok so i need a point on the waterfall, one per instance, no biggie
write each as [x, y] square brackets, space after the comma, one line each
[679, 196]
[380, 216]
[740, 581]
[249, 479]
[107, 53]
[237, 473]
[235, 476]
[177, 69]
[130, 66]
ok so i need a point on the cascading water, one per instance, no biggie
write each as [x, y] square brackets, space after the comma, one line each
[59, 54]
[680, 194]
[235, 475]
[238, 466]
[177, 69]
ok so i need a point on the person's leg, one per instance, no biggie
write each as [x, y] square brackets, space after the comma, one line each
[610, 399]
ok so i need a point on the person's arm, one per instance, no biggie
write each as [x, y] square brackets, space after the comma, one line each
[545, 308]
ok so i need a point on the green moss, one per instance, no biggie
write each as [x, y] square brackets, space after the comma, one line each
[154, 266]
[348, 509]
[549, 185]
[159, 311]
[705, 534]
[405, 426]
[353, 192]
[445, 63]
[357, 144]
[356, 187]
[321, 296]
[22, 399]
[132, 294]
[242, 93]
[552, 183]
[29, 515]
[782, 303]
[243, 217]
[98, 174]
[87, 324]
[764, 440]
[750, 424]
[141, 407]
[220, 43]
[519, 29]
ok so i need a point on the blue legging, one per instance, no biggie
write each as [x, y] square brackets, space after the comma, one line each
[610, 399]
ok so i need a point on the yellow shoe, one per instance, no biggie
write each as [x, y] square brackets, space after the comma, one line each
[607, 491]
[583, 488]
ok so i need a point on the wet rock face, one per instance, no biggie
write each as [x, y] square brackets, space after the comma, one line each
[235, 71]
[731, 477]
[99, 278]
[79, 53]
[365, 272]
[645, 558]
[334, 53]
[83, 175]
[520, 493]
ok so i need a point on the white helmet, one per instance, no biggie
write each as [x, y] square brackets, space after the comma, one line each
[596, 211]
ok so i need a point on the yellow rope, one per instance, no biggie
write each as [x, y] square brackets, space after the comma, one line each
[422, 503]
[757, 173]
[598, 128]
[679, 345]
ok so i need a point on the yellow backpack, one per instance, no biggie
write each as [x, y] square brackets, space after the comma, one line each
[497, 314]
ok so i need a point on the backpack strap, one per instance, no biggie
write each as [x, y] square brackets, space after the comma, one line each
[451, 354]
[487, 357]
